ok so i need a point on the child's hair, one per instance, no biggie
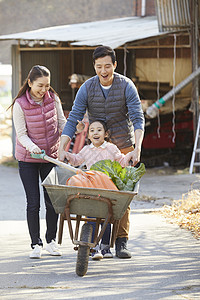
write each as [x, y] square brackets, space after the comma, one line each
[107, 132]
[35, 73]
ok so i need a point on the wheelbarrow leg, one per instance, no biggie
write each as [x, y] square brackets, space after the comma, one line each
[105, 223]
[60, 232]
[97, 237]
[98, 221]
[114, 232]
[78, 219]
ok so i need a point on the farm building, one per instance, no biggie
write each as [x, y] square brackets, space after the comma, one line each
[157, 53]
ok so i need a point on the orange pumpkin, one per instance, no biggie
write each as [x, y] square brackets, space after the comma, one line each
[92, 179]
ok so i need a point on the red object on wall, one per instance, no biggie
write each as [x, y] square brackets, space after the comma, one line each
[183, 129]
[152, 141]
[79, 138]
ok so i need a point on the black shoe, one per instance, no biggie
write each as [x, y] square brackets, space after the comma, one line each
[121, 248]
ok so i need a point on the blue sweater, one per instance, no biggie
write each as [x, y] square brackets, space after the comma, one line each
[80, 105]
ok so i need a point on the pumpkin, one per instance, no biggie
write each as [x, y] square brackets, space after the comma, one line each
[92, 179]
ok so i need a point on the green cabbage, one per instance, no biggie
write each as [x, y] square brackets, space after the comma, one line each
[124, 178]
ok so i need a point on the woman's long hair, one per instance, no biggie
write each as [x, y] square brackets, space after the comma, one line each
[35, 73]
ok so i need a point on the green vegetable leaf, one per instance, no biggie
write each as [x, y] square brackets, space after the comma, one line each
[135, 173]
[108, 167]
[124, 178]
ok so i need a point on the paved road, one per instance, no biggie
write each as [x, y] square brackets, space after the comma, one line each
[165, 263]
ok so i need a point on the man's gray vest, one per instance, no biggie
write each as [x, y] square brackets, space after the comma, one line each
[112, 110]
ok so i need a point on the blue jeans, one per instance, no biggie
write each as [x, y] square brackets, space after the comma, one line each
[106, 236]
[30, 174]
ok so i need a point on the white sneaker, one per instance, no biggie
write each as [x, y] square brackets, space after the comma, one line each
[36, 253]
[97, 255]
[106, 253]
[52, 248]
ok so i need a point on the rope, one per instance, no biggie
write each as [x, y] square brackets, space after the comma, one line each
[125, 51]
[173, 99]
[158, 89]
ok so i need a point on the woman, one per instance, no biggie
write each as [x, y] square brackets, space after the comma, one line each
[38, 120]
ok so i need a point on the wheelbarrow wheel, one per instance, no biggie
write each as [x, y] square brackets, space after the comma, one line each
[84, 251]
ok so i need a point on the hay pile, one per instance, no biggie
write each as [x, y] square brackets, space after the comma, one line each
[185, 212]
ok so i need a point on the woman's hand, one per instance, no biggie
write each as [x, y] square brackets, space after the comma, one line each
[36, 150]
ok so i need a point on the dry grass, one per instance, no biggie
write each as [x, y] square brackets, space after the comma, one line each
[9, 162]
[185, 212]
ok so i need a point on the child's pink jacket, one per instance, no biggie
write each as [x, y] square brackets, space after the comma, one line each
[90, 154]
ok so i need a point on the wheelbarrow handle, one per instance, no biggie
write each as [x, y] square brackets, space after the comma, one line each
[61, 164]
[39, 155]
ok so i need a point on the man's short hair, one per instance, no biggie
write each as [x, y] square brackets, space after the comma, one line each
[103, 51]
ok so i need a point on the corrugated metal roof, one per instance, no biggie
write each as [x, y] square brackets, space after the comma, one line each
[173, 15]
[114, 33]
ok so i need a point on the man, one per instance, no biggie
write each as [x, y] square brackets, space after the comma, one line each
[112, 98]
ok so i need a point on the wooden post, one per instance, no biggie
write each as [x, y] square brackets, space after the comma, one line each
[195, 83]
[16, 83]
[194, 54]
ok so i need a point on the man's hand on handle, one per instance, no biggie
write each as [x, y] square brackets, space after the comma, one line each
[134, 157]
[135, 154]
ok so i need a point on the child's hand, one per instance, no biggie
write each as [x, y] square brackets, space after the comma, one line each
[80, 127]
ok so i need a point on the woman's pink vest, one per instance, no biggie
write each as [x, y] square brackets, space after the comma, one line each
[42, 126]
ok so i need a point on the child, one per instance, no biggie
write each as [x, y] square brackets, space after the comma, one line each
[99, 149]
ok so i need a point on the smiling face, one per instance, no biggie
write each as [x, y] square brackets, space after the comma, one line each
[105, 68]
[39, 87]
[96, 134]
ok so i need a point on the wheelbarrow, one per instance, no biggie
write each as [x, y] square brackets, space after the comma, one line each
[77, 203]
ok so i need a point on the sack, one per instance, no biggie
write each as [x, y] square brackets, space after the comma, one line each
[92, 179]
